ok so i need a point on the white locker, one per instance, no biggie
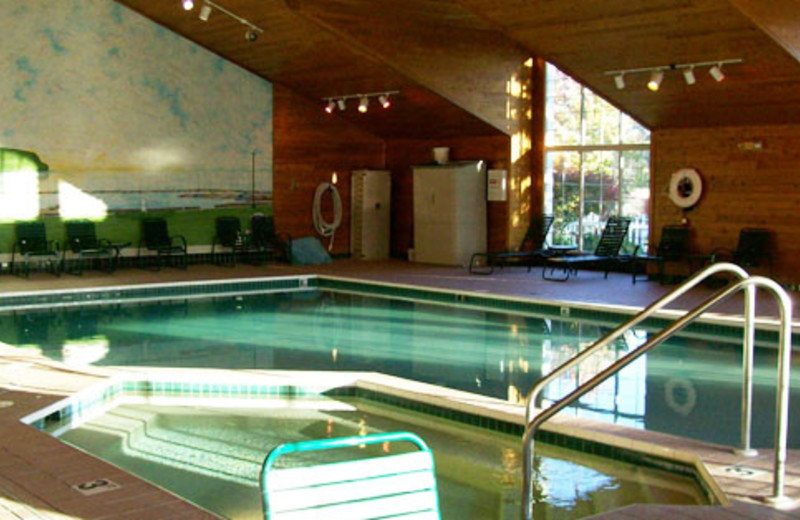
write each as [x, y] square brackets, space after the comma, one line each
[449, 212]
[370, 205]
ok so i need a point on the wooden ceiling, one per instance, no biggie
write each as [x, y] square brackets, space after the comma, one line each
[452, 60]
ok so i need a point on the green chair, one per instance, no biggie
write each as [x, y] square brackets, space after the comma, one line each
[33, 247]
[228, 241]
[82, 242]
[399, 486]
[605, 256]
[156, 239]
[265, 243]
[752, 250]
[672, 247]
[532, 248]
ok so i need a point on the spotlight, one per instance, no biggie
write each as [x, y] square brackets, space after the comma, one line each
[251, 35]
[188, 5]
[619, 81]
[688, 75]
[205, 12]
[383, 99]
[362, 104]
[330, 106]
[341, 104]
[716, 73]
[655, 80]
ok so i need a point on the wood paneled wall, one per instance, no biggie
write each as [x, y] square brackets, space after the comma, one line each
[741, 187]
[308, 146]
[402, 154]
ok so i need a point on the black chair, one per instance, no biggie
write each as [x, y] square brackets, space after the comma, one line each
[155, 238]
[606, 254]
[752, 250]
[228, 236]
[265, 244]
[32, 246]
[672, 247]
[82, 241]
[531, 249]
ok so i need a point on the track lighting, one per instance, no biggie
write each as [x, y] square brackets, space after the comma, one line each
[188, 5]
[205, 12]
[716, 72]
[363, 100]
[657, 73]
[656, 77]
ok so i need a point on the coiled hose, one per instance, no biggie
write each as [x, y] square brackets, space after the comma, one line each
[323, 227]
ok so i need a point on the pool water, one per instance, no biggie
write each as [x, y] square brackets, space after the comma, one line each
[212, 457]
[690, 386]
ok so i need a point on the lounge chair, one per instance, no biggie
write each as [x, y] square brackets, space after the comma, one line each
[752, 250]
[531, 248]
[606, 254]
[672, 247]
[265, 243]
[32, 246]
[229, 237]
[156, 238]
[354, 481]
[82, 241]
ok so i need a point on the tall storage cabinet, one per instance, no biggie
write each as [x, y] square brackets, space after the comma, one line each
[449, 212]
[370, 212]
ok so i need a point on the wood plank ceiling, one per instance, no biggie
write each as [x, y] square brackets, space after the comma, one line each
[451, 59]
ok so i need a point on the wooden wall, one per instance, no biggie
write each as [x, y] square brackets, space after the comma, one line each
[741, 188]
[309, 145]
[402, 154]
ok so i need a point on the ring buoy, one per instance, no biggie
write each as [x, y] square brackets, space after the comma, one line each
[685, 188]
[680, 396]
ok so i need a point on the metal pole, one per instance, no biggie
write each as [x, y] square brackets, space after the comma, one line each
[253, 181]
[747, 371]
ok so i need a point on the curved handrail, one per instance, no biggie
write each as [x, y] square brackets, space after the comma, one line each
[748, 284]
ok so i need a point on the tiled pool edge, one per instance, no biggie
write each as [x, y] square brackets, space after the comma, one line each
[377, 388]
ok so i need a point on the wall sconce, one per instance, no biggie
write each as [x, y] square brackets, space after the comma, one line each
[251, 33]
[363, 100]
[657, 73]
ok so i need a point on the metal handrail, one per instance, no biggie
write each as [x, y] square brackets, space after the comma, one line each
[747, 283]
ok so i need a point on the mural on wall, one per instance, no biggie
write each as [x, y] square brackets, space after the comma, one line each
[128, 116]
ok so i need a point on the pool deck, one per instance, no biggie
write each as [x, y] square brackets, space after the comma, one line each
[38, 474]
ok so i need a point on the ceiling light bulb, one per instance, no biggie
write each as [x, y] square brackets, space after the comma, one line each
[188, 5]
[330, 106]
[205, 12]
[716, 73]
[341, 104]
[688, 75]
[619, 81]
[384, 100]
[362, 105]
[655, 80]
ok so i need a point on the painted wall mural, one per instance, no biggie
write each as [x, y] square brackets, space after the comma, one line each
[127, 115]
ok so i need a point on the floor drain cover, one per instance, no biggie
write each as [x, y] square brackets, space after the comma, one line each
[743, 471]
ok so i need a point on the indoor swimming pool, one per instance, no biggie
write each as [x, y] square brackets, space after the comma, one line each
[689, 386]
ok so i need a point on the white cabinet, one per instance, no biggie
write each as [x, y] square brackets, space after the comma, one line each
[370, 205]
[449, 212]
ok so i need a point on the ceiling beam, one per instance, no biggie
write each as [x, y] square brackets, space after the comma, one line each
[777, 18]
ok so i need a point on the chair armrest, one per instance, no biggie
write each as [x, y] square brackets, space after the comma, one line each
[179, 238]
[721, 251]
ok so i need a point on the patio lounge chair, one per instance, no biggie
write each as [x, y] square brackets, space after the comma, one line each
[672, 247]
[400, 485]
[531, 248]
[156, 238]
[82, 241]
[606, 254]
[32, 246]
[265, 243]
[228, 236]
[752, 250]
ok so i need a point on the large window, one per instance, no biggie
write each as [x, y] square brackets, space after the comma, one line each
[597, 165]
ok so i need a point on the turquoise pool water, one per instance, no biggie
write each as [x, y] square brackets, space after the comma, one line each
[212, 457]
[690, 386]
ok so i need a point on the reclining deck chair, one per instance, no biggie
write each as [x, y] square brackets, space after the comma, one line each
[228, 235]
[606, 254]
[398, 486]
[751, 250]
[531, 248]
[32, 246]
[672, 247]
[265, 243]
[156, 238]
[82, 241]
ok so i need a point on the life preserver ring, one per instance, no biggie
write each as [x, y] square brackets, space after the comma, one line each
[684, 404]
[685, 188]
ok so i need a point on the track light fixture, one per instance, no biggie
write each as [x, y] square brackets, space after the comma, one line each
[251, 33]
[657, 73]
[363, 100]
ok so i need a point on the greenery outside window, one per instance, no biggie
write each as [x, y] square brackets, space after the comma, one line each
[597, 164]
